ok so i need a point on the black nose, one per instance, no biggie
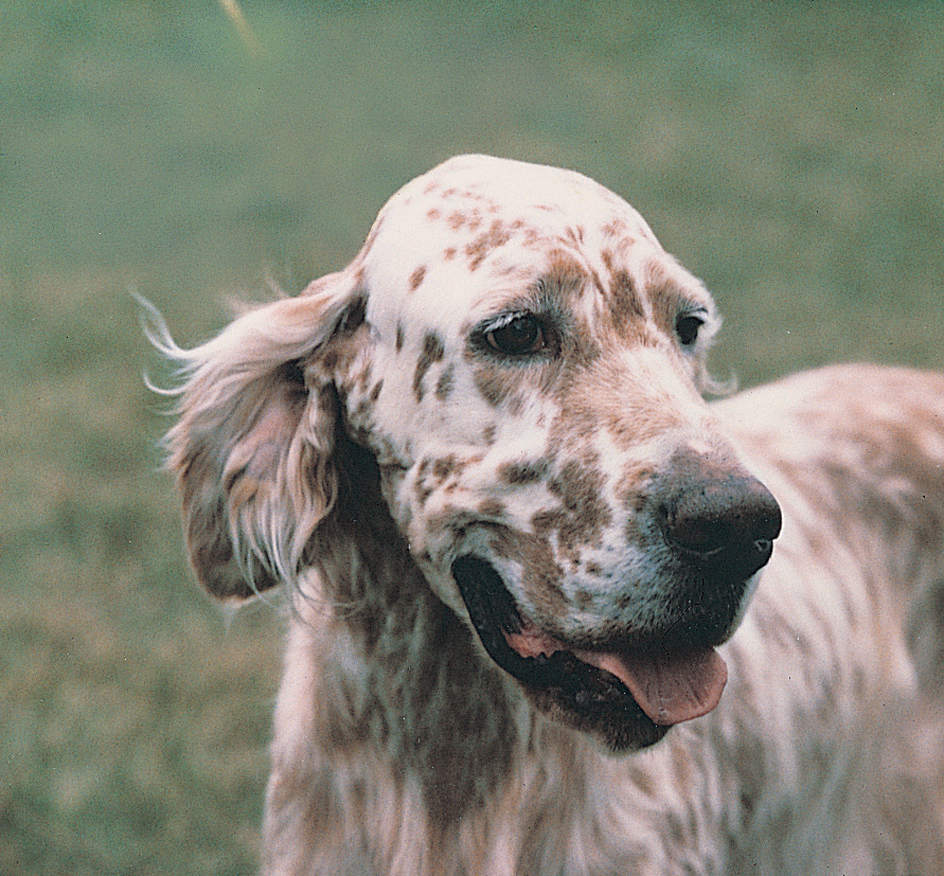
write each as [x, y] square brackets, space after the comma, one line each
[723, 521]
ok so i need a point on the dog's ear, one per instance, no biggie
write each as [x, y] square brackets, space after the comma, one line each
[252, 449]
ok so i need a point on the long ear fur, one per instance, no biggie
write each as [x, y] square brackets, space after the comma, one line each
[252, 447]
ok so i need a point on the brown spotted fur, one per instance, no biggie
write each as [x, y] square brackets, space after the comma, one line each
[347, 443]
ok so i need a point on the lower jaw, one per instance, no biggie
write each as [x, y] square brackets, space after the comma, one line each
[585, 699]
[619, 729]
[562, 687]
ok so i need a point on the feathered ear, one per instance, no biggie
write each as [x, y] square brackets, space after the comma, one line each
[252, 448]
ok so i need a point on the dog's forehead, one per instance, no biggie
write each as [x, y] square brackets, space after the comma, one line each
[476, 203]
[454, 237]
[518, 190]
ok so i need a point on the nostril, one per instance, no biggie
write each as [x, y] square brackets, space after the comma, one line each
[695, 532]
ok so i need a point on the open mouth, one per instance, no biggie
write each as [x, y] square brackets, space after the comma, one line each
[629, 695]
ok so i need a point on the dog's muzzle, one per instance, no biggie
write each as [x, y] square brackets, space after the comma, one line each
[717, 529]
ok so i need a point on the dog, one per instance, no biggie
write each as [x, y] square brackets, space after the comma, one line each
[550, 611]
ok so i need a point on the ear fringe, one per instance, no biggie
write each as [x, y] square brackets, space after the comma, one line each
[251, 339]
[276, 526]
[253, 442]
[155, 330]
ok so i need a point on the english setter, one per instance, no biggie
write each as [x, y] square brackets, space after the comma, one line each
[521, 548]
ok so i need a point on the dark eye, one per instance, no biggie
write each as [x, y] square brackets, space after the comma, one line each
[516, 335]
[687, 327]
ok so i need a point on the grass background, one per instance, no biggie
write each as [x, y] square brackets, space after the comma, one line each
[790, 153]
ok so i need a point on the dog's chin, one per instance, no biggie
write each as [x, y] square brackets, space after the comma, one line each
[589, 688]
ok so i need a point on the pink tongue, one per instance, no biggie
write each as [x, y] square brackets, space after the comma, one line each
[669, 688]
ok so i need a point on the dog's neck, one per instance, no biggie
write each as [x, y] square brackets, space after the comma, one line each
[427, 700]
[402, 713]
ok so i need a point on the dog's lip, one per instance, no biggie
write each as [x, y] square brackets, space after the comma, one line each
[662, 681]
[670, 686]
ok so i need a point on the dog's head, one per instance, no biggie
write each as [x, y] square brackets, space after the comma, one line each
[524, 364]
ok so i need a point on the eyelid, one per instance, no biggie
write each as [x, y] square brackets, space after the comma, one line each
[546, 323]
[499, 322]
[696, 310]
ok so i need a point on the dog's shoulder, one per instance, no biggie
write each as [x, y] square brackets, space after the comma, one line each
[879, 427]
[855, 456]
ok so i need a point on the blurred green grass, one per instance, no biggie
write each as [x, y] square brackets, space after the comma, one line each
[791, 153]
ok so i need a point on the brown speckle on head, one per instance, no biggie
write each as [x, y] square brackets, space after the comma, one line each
[444, 467]
[597, 283]
[547, 520]
[541, 576]
[449, 253]
[417, 277]
[586, 514]
[400, 337]
[433, 352]
[625, 305]
[497, 235]
[520, 473]
[575, 235]
[445, 383]
[492, 509]
[566, 276]
[456, 220]
[432, 474]
[615, 228]
[494, 383]
[577, 485]
[632, 486]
